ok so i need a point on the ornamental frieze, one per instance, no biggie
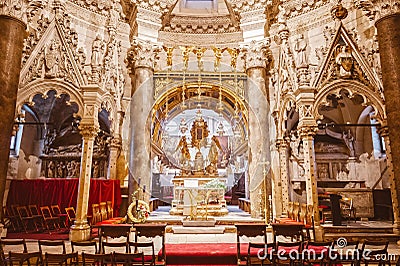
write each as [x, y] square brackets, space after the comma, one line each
[376, 9]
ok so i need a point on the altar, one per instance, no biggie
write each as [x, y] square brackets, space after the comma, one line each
[199, 196]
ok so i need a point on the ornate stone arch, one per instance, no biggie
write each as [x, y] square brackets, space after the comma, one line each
[26, 93]
[353, 88]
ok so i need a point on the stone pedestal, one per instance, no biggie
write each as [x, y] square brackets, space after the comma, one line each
[12, 32]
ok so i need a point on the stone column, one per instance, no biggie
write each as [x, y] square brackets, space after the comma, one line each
[384, 133]
[256, 56]
[386, 14]
[89, 127]
[141, 60]
[284, 175]
[12, 32]
[116, 148]
[307, 129]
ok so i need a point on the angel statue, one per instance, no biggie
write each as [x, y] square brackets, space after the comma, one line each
[184, 157]
[213, 155]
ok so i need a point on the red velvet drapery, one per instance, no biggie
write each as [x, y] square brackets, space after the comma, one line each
[52, 191]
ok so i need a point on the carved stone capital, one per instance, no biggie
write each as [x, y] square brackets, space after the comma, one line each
[281, 143]
[143, 54]
[23, 10]
[308, 131]
[257, 53]
[377, 9]
[88, 131]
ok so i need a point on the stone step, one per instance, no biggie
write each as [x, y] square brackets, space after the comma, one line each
[197, 229]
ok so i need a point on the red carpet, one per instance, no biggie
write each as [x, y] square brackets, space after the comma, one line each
[56, 235]
[201, 254]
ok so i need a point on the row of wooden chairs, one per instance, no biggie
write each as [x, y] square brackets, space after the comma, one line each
[88, 247]
[317, 253]
[34, 218]
[36, 258]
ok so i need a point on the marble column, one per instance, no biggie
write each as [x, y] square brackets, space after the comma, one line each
[284, 175]
[141, 58]
[389, 48]
[386, 15]
[259, 121]
[394, 188]
[12, 32]
[89, 127]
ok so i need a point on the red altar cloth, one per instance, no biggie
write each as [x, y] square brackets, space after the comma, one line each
[64, 192]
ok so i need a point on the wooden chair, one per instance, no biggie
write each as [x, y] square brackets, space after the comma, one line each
[309, 222]
[26, 219]
[56, 211]
[96, 215]
[134, 247]
[26, 258]
[288, 253]
[128, 259]
[48, 219]
[14, 245]
[61, 259]
[296, 211]
[152, 231]
[49, 245]
[110, 210]
[260, 254]
[10, 220]
[37, 216]
[89, 247]
[294, 231]
[109, 247]
[248, 230]
[97, 259]
[346, 252]
[374, 252]
[71, 215]
[103, 211]
[316, 253]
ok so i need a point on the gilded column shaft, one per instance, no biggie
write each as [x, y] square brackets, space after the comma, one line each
[284, 177]
[12, 32]
[81, 230]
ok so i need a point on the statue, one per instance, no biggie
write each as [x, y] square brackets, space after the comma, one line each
[349, 140]
[344, 60]
[213, 155]
[300, 47]
[184, 158]
[97, 51]
[52, 60]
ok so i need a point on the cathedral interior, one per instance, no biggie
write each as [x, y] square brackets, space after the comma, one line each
[279, 101]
